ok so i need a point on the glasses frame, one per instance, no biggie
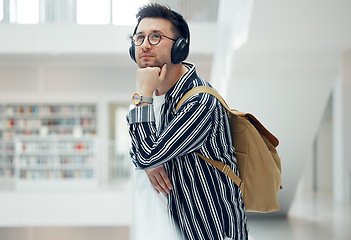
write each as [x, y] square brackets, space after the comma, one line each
[148, 39]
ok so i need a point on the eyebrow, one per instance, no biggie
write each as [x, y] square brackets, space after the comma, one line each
[154, 31]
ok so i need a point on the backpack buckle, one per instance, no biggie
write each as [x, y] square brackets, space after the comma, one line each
[226, 169]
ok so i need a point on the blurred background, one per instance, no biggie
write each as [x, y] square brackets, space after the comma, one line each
[66, 80]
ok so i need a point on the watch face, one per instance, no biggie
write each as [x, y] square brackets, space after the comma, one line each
[136, 98]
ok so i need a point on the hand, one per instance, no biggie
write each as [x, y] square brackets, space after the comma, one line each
[159, 179]
[149, 79]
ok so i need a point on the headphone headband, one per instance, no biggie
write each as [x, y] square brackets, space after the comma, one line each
[184, 26]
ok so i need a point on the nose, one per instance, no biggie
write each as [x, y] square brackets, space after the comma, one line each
[146, 44]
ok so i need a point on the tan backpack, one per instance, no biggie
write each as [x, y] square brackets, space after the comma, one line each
[258, 160]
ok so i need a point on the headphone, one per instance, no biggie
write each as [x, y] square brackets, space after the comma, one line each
[180, 48]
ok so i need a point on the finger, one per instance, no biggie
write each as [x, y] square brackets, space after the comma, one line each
[162, 184]
[163, 72]
[155, 184]
[165, 177]
[158, 192]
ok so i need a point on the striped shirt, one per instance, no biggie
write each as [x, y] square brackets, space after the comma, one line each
[203, 203]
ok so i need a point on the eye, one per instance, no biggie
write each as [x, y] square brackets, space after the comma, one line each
[155, 36]
[139, 37]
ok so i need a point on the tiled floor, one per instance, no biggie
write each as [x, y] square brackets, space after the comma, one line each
[312, 216]
[64, 233]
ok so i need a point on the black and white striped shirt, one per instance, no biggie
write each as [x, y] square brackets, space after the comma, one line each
[203, 203]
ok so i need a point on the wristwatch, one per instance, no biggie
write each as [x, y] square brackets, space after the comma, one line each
[138, 99]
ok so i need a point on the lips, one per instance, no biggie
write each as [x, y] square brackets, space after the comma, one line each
[146, 55]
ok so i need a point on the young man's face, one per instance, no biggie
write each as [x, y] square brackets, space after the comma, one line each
[148, 55]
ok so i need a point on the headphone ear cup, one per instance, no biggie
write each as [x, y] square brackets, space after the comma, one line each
[180, 50]
[132, 52]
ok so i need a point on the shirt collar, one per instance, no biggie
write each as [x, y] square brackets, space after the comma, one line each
[182, 84]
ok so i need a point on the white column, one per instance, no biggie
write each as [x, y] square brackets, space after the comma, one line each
[232, 33]
[342, 131]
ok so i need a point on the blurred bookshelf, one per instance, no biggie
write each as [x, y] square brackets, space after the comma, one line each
[47, 143]
[55, 161]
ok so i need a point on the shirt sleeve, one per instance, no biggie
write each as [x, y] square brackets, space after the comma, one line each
[186, 132]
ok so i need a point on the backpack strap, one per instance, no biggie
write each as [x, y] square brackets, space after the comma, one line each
[254, 121]
[202, 89]
[224, 168]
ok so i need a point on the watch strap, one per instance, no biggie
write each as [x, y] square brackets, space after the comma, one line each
[146, 99]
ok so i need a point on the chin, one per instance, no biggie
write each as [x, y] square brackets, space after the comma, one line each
[149, 64]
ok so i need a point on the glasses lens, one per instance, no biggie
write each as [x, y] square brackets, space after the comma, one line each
[138, 39]
[154, 38]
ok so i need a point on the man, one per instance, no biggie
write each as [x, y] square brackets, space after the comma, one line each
[203, 203]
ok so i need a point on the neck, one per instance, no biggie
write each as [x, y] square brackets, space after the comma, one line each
[174, 73]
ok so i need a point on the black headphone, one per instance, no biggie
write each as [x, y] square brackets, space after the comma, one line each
[180, 49]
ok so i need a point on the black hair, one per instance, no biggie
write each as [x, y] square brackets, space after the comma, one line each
[155, 10]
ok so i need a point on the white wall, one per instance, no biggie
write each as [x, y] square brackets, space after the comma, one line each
[64, 38]
[324, 156]
[84, 39]
[62, 82]
[342, 131]
[318, 174]
[284, 75]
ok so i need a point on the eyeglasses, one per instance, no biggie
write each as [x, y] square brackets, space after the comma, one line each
[153, 38]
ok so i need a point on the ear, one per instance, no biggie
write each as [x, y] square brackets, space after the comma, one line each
[180, 50]
[132, 52]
